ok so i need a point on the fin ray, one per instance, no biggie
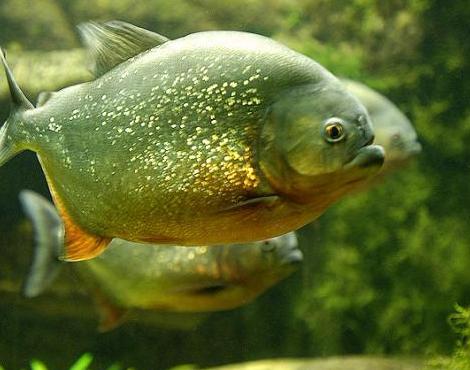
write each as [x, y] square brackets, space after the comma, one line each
[48, 237]
[111, 315]
[252, 204]
[19, 103]
[18, 98]
[114, 42]
[8, 148]
[79, 245]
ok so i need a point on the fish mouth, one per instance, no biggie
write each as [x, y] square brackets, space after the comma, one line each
[286, 249]
[415, 148]
[294, 257]
[367, 157]
[289, 253]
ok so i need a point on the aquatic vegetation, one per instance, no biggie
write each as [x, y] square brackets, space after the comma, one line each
[460, 359]
[82, 363]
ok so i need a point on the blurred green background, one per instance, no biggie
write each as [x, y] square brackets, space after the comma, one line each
[382, 269]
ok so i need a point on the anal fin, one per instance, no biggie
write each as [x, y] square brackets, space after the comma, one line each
[111, 315]
[79, 244]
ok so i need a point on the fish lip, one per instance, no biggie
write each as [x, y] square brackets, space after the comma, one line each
[367, 156]
[293, 257]
[371, 140]
[415, 148]
[289, 253]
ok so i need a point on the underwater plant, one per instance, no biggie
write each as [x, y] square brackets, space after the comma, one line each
[82, 363]
[460, 359]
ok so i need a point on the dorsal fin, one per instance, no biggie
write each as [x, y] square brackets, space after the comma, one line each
[114, 42]
[18, 98]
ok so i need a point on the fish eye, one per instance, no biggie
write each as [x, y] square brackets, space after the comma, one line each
[333, 130]
[267, 246]
[396, 141]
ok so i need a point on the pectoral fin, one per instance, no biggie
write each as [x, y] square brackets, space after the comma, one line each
[253, 204]
[209, 290]
[202, 287]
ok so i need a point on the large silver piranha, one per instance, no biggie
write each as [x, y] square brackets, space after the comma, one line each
[217, 137]
[161, 278]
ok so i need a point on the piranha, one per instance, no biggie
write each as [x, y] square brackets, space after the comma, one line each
[214, 138]
[160, 278]
[393, 130]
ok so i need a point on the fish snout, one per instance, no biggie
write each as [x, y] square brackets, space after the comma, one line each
[288, 251]
[293, 257]
[415, 148]
[285, 248]
[368, 156]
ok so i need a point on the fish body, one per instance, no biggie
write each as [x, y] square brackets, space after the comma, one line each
[191, 279]
[216, 137]
[393, 130]
[162, 278]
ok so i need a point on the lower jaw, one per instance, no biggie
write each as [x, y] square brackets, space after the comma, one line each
[334, 189]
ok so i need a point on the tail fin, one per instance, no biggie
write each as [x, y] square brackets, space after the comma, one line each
[19, 103]
[18, 98]
[49, 239]
[7, 147]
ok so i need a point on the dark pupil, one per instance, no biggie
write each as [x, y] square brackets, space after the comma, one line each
[334, 132]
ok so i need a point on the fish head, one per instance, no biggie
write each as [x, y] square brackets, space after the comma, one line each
[237, 273]
[282, 251]
[316, 140]
[262, 263]
[266, 261]
[393, 130]
[398, 137]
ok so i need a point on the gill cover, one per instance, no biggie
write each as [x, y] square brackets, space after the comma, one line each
[293, 147]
